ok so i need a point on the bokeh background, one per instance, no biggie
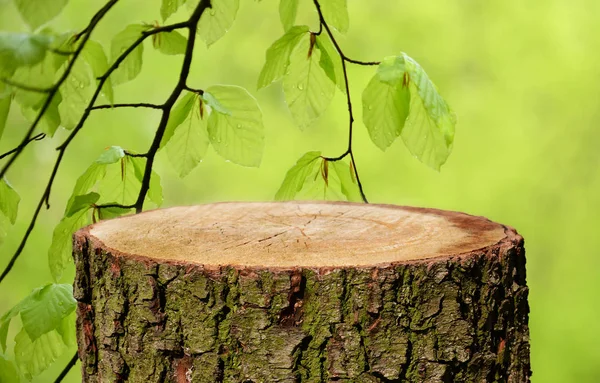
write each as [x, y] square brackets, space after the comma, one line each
[522, 77]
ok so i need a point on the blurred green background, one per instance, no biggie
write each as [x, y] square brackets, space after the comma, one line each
[522, 78]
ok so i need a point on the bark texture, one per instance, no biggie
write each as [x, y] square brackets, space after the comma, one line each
[460, 318]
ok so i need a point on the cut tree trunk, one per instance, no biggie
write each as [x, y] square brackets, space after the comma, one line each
[301, 292]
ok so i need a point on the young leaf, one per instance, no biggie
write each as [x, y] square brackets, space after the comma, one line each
[94, 54]
[278, 55]
[87, 180]
[8, 372]
[188, 145]
[51, 118]
[178, 115]
[335, 13]
[33, 357]
[287, 13]
[336, 72]
[308, 90]
[348, 184]
[9, 201]
[67, 330]
[76, 94]
[5, 323]
[41, 75]
[120, 184]
[170, 43]
[155, 191]
[217, 20]
[22, 49]
[111, 155]
[386, 101]
[132, 65]
[59, 253]
[429, 130]
[237, 136]
[168, 7]
[38, 12]
[46, 308]
[82, 202]
[112, 212]
[298, 174]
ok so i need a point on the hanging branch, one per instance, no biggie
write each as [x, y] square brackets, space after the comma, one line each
[87, 32]
[38, 137]
[344, 58]
[63, 147]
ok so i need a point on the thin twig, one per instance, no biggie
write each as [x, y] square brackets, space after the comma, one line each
[63, 147]
[134, 105]
[38, 137]
[54, 89]
[67, 368]
[109, 205]
[192, 25]
[343, 58]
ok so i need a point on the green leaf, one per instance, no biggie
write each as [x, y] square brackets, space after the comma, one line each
[335, 13]
[67, 330]
[298, 174]
[95, 172]
[59, 253]
[40, 75]
[46, 308]
[287, 13]
[22, 49]
[5, 323]
[429, 130]
[385, 108]
[155, 190]
[38, 12]
[237, 136]
[308, 90]
[112, 212]
[76, 94]
[4, 109]
[216, 21]
[9, 201]
[8, 372]
[132, 65]
[348, 184]
[51, 118]
[278, 55]
[178, 115]
[94, 54]
[111, 155]
[80, 202]
[170, 43]
[33, 357]
[168, 7]
[188, 145]
[336, 71]
[120, 184]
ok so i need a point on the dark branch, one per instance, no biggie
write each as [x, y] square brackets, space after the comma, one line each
[343, 58]
[108, 205]
[45, 198]
[38, 137]
[129, 154]
[192, 25]
[67, 368]
[54, 89]
[134, 105]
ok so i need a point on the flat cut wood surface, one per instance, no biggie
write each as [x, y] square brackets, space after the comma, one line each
[295, 234]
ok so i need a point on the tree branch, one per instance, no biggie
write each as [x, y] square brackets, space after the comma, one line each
[45, 198]
[348, 98]
[134, 105]
[192, 25]
[67, 368]
[38, 137]
[54, 89]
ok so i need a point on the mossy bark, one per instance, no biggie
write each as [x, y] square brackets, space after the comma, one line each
[456, 319]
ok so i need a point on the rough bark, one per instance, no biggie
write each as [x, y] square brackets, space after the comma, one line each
[455, 317]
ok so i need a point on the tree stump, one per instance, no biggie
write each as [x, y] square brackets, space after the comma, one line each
[301, 292]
